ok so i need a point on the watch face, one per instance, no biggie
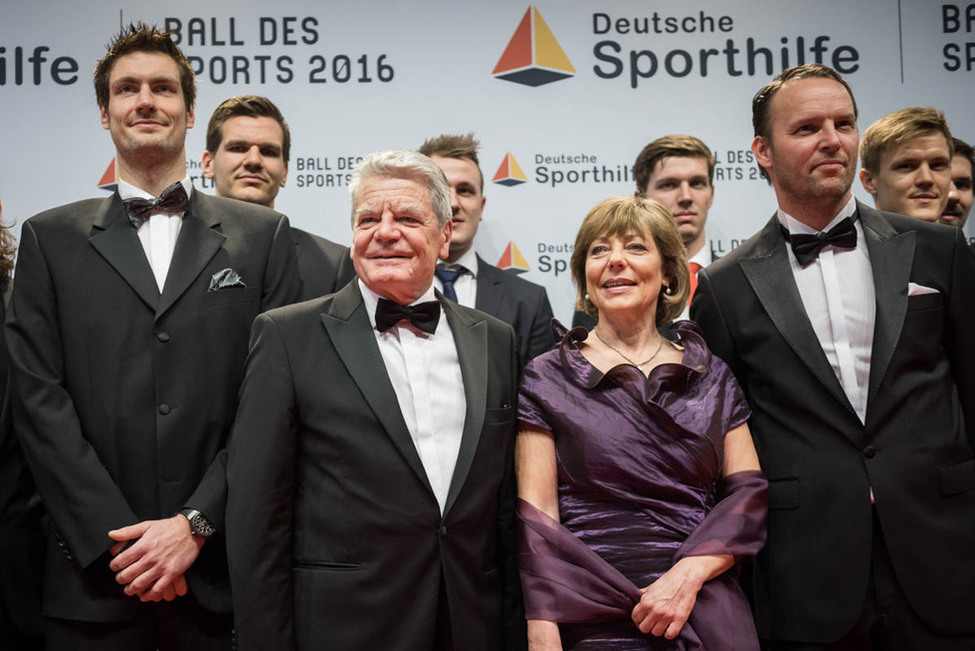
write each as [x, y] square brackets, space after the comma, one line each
[201, 526]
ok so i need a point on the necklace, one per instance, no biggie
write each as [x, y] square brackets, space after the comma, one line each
[620, 353]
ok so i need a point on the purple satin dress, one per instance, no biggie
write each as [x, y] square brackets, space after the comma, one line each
[639, 471]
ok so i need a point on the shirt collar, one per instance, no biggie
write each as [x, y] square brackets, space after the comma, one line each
[466, 262]
[128, 191]
[702, 257]
[795, 226]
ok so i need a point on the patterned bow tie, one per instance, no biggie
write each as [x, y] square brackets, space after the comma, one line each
[424, 316]
[172, 201]
[807, 247]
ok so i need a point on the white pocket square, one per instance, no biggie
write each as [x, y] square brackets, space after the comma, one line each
[913, 289]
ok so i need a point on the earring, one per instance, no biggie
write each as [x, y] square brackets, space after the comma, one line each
[668, 291]
[587, 296]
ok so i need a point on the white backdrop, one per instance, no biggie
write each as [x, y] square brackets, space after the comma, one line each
[355, 77]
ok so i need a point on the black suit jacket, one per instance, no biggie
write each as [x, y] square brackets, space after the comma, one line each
[21, 534]
[521, 304]
[324, 265]
[335, 537]
[123, 396]
[914, 451]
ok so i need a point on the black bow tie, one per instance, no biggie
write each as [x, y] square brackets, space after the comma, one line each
[424, 316]
[807, 247]
[172, 200]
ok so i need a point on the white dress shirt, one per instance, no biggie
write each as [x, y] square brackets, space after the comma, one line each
[704, 257]
[158, 233]
[425, 373]
[837, 291]
[466, 284]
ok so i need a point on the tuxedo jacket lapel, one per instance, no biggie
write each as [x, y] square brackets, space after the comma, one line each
[348, 327]
[891, 256]
[470, 338]
[117, 241]
[770, 274]
[199, 240]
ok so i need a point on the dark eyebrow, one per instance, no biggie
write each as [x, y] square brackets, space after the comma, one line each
[248, 143]
[153, 80]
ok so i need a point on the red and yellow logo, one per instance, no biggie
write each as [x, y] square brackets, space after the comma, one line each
[509, 172]
[533, 56]
[109, 180]
[512, 260]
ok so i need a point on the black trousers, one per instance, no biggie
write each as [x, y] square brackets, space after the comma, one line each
[887, 621]
[179, 625]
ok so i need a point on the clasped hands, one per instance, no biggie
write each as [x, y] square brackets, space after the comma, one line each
[151, 557]
[666, 603]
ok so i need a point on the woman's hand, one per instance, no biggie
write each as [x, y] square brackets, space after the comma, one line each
[667, 602]
[543, 636]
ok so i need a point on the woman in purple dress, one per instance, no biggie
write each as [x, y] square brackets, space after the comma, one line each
[639, 485]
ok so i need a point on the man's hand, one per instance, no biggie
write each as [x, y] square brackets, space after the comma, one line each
[152, 556]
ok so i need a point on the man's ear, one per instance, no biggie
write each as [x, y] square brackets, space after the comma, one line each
[103, 114]
[869, 184]
[206, 164]
[762, 151]
[448, 231]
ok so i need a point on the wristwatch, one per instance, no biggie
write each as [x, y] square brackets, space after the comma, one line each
[199, 525]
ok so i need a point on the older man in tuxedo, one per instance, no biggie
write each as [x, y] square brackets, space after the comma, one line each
[370, 465]
[128, 333]
[849, 331]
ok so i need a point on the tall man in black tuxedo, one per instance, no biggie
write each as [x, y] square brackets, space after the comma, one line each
[464, 276]
[854, 349]
[248, 147]
[128, 332]
[370, 465]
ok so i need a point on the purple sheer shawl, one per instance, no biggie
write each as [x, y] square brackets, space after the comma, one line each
[565, 581]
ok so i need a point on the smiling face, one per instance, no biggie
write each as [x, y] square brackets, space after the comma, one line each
[249, 163]
[146, 112]
[912, 178]
[624, 275]
[681, 185]
[466, 201]
[396, 241]
[810, 152]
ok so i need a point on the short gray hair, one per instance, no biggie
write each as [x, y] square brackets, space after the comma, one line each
[404, 164]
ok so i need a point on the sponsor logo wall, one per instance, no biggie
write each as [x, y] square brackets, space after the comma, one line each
[563, 95]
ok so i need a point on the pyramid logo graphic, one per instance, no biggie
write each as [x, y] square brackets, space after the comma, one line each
[533, 56]
[109, 180]
[512, 260]
[509, 172]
